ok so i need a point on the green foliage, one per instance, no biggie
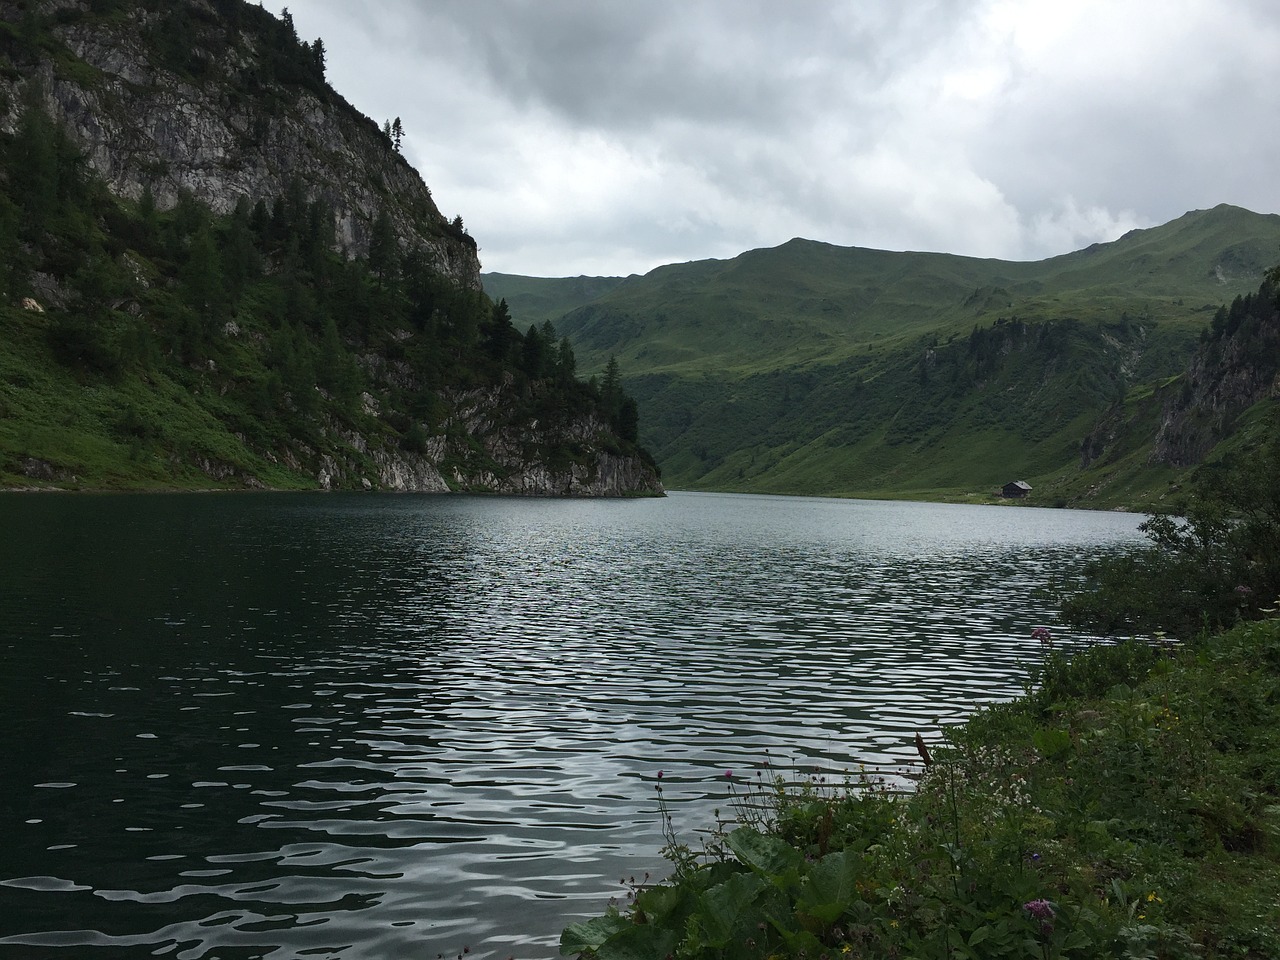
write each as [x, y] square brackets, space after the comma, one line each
[253, 338]
[1139, 820]
[1089, 673]
[1213, 561]
[815, 369]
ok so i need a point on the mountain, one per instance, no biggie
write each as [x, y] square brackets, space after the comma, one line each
[216, 272]
[812, 368]
[542, 300]
[1225, 399]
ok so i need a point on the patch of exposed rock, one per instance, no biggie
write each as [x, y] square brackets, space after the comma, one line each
[141, 126]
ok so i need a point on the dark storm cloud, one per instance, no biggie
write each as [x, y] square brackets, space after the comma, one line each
[594, 137]
[638, 65]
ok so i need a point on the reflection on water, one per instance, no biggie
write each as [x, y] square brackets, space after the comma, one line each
[370, 727]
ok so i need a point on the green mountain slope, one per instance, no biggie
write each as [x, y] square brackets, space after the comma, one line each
[542, 300]
[172, 320]
[810, 368]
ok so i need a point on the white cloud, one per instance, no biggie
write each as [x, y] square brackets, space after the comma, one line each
[577, 137]
[1065, 226]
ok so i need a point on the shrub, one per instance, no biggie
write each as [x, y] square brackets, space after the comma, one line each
[1213, 563]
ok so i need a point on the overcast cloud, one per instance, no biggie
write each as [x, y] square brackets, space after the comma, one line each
[607, 137]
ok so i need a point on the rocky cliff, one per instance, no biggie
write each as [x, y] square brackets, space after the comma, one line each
[502, 461]
[215, 121]
[482, 449]
[1235, 367]
[221, 271]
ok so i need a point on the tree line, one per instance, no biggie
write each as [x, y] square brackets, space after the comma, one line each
[262, 300]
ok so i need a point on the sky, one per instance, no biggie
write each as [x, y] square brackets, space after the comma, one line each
[608, 137]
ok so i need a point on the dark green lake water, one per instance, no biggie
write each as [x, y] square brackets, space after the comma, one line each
[374, 727]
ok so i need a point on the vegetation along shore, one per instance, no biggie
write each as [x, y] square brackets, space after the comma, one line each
[1128, 805]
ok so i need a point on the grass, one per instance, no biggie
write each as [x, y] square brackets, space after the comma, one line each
[125, 433]
[775, 371]
[181, 348]
[1127, 806]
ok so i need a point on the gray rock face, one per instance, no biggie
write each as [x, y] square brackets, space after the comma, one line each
[141, 126]
[245, 136]
[481, 449]
[1225, 378]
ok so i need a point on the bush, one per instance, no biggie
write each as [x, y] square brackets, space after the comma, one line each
[1212, 566]
[1139, 821]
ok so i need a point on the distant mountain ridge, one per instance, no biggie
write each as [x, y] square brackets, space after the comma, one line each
[539, 300]
[798, 368]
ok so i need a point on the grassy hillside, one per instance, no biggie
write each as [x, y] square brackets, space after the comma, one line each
[145, 348]
[544, 300]
[810, 368]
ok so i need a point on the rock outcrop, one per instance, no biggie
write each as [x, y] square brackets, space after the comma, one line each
[218, 101]
[1236, 366]
[142, 126]
[1227, 376]
[483, 449]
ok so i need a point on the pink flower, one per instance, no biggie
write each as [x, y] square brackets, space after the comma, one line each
[728, 774]
[1040, 909]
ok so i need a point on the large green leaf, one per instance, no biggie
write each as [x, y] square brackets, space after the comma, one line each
[1052, 742]
[775, 859]
[590, 934]
[667, 905]
[639, 942]
[728, 909]
[613, 937]
[829, 888]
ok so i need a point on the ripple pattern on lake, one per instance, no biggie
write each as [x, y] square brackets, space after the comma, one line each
[369, 727]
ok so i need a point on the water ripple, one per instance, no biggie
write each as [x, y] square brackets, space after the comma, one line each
[364, 727]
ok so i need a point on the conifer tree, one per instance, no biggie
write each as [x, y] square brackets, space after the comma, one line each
[9, 250]
[499, 334]
[383, 252]
[148, 216]
[34, 165]
[239, 254]
[611, 389]
[533, 353]
[566, 362]
[202, 278]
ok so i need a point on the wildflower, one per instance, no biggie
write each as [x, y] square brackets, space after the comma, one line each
[728, 774]
[1242, 591]
[659, 774]
[1043, 635]
[1040, 909]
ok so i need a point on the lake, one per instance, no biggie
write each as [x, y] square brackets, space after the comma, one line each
[367, 726]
